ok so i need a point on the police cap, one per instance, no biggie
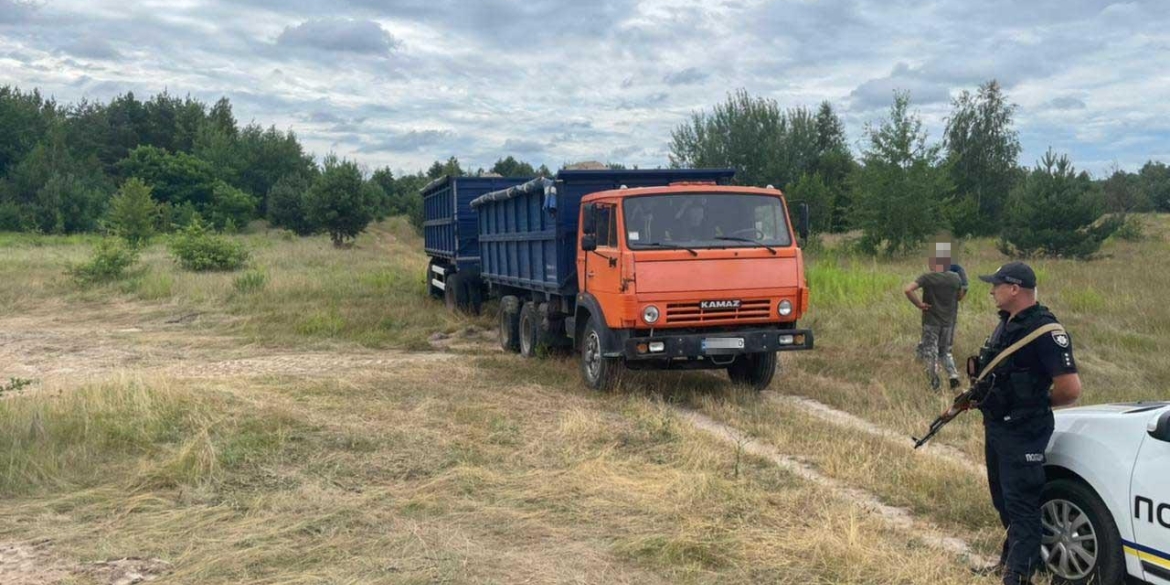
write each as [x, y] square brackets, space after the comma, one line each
[1016, 273]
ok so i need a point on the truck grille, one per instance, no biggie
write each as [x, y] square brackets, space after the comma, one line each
[693, 314]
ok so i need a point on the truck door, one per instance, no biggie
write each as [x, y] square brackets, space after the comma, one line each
[603, 267]
[1150, 504]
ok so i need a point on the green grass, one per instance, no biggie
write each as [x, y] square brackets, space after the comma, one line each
[301, 289]
[89, 436]
[411, 478]
[492, 468]
[1113, 308]
[848, 283]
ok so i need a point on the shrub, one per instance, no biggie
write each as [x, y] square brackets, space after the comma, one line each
[250, 281]
[111, 260]
[230, 207]
[197, 249]
[1132, 229]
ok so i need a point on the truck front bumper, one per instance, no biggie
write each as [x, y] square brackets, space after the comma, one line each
[733, 343]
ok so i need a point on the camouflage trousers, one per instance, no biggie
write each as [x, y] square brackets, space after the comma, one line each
[935, 347]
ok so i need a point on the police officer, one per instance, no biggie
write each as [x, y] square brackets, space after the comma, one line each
[1017, 412]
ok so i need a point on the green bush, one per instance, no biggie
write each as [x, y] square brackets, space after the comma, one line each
[197, 249]
[1132, 230]
[230, 208]
[111, 260]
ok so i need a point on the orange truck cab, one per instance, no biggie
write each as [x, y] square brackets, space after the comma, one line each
[688, 276]
[645, 269]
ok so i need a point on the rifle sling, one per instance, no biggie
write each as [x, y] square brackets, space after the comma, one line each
[1013, 348]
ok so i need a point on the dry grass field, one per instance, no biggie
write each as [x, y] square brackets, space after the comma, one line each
[316, 419]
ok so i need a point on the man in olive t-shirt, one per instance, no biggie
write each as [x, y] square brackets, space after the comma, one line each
[939, 304]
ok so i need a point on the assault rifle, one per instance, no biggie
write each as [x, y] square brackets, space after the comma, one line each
[982, 384]
[963, 402]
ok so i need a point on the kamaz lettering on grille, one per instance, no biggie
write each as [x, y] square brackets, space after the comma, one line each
[719, 305]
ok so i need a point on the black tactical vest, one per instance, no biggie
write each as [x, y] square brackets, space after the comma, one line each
[1022, 390]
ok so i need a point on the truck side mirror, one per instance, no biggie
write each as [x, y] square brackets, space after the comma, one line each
[588, 242]
[804, 222]
[1159, 428]
[589, 219]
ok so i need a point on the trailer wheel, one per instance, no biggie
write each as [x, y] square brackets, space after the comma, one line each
[598, 372]
[455, 294]
[753, 369]
[474, 294]
[510, 324]
[530, 337]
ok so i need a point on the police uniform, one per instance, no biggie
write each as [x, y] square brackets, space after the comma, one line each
[1017, 417]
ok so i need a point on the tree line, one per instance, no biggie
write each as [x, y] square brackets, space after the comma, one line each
[62, 165]
[903, 189]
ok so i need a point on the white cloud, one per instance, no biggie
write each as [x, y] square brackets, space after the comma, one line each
[409, 82]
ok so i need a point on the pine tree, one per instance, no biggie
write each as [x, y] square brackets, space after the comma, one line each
[1056, 212]
[133, 214]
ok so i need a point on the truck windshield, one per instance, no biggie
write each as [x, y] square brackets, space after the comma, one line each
[705, 221]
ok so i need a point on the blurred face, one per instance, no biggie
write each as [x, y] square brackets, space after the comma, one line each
[939, 264]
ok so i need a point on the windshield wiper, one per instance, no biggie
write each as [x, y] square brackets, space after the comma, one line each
[757, 242]
[670, 246]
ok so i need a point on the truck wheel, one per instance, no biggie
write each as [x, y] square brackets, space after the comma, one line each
[529, 330]
[455, 294]
[1080, 543]
[474, 294]
[434, 291]
[753, 369]
[509, 324]
[598, 372]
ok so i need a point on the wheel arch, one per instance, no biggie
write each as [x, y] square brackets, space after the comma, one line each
[588, 307]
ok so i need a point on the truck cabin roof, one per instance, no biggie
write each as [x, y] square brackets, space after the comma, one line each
[682, 189]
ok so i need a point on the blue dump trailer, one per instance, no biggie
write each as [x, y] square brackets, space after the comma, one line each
[450, 234]
[528, 232]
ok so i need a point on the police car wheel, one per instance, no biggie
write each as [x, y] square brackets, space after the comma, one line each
[529, 330]
[1079, 540]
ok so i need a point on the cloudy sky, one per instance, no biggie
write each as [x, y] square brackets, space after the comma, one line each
[404, 82]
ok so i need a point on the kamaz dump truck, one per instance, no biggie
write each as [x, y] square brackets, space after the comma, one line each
[646, 269]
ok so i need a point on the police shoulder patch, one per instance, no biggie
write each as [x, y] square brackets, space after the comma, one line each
[1061, 338]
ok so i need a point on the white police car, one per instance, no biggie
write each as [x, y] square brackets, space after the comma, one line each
[1106, 505]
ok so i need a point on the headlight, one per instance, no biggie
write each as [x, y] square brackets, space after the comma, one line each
[650, 314]
[785, 308]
